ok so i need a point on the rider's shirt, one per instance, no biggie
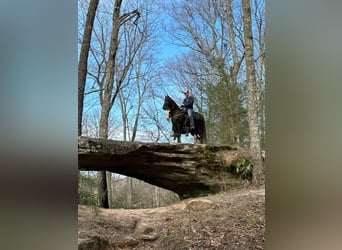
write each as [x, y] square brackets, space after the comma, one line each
[188, 102]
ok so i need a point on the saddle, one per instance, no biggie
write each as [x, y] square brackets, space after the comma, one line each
[183, 109]
[186, 123]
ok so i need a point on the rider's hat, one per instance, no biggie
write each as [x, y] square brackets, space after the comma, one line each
[186, 92]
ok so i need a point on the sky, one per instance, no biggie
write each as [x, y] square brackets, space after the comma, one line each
[39, 134]
[167, 51]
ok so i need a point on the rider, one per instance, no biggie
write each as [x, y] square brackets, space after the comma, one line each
[188, 103]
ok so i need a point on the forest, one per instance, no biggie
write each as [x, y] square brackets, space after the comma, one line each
[133, 53]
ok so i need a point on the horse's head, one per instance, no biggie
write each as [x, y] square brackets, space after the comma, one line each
[167, 103]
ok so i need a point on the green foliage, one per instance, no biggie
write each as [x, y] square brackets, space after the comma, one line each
[243, 167]
[209, 154]
[226, 117]
[86, 194]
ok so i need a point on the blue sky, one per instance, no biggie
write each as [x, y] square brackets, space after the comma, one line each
[167, 50]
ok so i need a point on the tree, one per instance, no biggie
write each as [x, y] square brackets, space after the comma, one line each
[211, 32]
[236, 108]
[252, 96]
[139, 47]
[258, 14]
[83, 60]
[108, 94]
[106, 98]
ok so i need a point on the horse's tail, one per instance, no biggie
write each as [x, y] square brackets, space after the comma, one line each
[201, 129]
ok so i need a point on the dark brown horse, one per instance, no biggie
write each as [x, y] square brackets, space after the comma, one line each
[180, 122]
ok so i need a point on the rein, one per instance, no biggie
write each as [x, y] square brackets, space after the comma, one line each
[176, 115]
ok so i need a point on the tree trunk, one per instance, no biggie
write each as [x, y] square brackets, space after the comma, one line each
[102, 185]
[252, 96]
[234, 70]
[102, 189]
[108, 100]
[129, 192]
[109, 187]
[83, 60]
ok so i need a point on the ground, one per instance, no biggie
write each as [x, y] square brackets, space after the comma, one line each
[229, 220]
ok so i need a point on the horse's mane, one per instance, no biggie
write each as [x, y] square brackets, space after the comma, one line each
[172, 101]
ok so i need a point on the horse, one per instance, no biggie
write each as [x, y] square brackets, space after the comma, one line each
[180, 122]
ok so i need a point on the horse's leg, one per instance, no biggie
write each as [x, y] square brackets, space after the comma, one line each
[179, 132]
[197, 139]
[195, 135]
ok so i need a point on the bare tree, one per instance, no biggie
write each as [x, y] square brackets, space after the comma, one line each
[140, 46]
[107, 92]
[252, 97]
[106, 98]
[208, 29]
[137, 81]
[258, 14]
[83, 60]
[154, 117]
[234, 71]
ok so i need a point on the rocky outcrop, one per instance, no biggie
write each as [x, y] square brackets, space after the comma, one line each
[190, 170]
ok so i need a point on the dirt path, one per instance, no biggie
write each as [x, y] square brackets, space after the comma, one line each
[229, 220]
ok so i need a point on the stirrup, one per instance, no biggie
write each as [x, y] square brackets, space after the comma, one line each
[187, 131]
